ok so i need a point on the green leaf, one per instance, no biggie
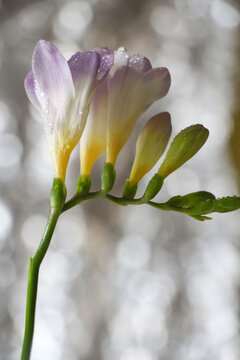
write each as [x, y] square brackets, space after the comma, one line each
[227, 204]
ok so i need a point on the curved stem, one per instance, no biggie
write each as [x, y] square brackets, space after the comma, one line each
[77, 199]
[34, 265]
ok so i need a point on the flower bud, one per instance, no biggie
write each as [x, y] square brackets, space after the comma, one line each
[132, 87]
[184, 146]
[151, 144]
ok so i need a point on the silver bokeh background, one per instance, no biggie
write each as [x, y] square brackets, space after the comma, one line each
[122, 283]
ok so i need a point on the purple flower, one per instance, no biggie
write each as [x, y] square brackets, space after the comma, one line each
[62, 91]
[128, 89]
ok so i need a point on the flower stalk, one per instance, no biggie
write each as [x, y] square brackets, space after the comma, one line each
[58, 195]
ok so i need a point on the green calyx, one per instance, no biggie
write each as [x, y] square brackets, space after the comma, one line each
[153, 188]
[58, 195]
[129, 190]
[108, 177]
[83, 185]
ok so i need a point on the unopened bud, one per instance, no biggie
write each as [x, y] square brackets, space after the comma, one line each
[184, 146]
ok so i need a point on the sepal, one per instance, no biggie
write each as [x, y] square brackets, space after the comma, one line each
[129, 190]
[83, 185]
[58, 195]
[153, 188]
[108, 177]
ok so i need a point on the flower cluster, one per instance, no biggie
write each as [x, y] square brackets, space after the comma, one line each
[98, 96]
[105, 90]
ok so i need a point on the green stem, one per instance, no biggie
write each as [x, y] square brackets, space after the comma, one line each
[34, 265]
[77, 199]
[124, 202]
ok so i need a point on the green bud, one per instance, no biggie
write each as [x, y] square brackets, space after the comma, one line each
[203, 208]
[152, 142]
[83, 185]
[184, 146]
[58, 194]
[129, 190]
[190, 200]
[108, 177]
[227, 204]
[153, 188]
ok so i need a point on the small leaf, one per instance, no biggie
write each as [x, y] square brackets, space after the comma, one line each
[227, 204]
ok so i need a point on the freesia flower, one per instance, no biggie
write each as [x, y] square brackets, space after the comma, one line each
[62, 91]
[151, 143]
[93, 141]
[129, 88]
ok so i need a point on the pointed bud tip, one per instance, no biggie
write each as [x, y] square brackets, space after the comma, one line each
[160, 122]
[151, 144]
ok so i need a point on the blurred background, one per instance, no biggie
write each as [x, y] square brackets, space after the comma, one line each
[124, 283]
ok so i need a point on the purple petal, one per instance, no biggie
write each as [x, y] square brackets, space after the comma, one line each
[157, 82]
[125, 103]
[106, 61]
[52, 74]
[94, 138]
[102, 51]
[139, 63]
[124, 86]
[29, 84]
[84, 67]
